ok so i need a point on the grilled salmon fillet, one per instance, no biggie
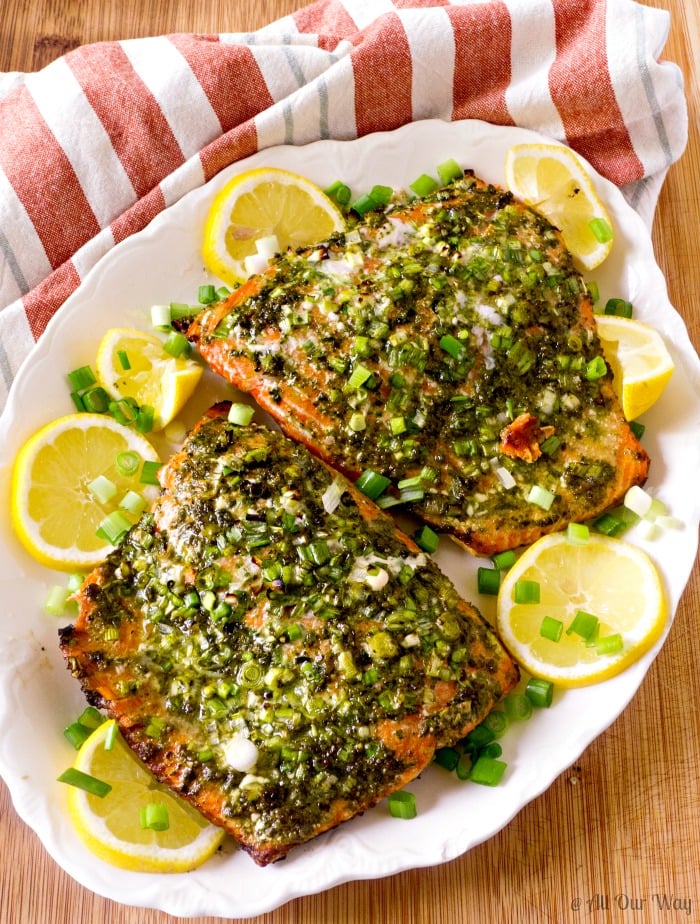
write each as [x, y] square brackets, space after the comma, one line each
[448, 344]
[272, 647]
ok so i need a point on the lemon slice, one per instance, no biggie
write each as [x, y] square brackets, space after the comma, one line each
[554, 181]
[259, 205]
[152, 376]
[54, 513]
[111, 825]
[603, 577]
[640, 362]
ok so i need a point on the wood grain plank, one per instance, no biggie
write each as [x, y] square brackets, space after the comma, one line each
[621, 824]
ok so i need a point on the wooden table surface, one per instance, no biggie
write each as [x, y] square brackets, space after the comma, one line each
[620, 827]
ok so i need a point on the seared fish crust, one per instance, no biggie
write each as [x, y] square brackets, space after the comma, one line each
[272, 647]
[448, 344]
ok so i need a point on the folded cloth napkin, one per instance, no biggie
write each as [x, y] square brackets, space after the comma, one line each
[97, 143]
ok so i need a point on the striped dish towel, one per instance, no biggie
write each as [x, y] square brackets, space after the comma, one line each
[100, 141]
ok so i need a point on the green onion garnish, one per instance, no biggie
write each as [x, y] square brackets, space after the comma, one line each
[449, 170]
[357, 422]
[540, 692]
[637, 428]
[154, 816]
[583, 624]
[577, 533]
[81, 378]
[176, 344]
[95, 400]
[372, 484]
[240, 414]
[610, 644]
[452, 346]
[91, 718]
[206, 294]
[596, 369]
[487, 771]
[447, 757]
[57, 600]
[84, 781]
[526, 592]
[488, 580]
[339, 193]
[601, 230]
[402, 804]
[127, 462]
[145, 417]
[593, 290]
[102, 489]
[423, 185]
[551, 628]
[426, 539]
[114, 527]
[497, 722]
[134, 503]
[503, 560]
[541, 497]
[619, 307]
[149, 472]
[76, 734]
[111, 736]
[517, 707]
[359, 376]
[123, 358]
[125, 411]
[161, 317]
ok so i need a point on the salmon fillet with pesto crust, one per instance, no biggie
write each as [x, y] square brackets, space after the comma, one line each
[272, 647]
[448, 344]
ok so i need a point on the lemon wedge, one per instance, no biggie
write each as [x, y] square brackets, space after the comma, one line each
[134, 364]
[608, 579]
[553, 180]
[639, 359]
[260, 206]
[111, 825]
[54, 511]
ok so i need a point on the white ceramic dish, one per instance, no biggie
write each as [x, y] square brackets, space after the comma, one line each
[37, 695]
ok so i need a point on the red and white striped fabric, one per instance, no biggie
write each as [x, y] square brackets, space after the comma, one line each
[96, 144]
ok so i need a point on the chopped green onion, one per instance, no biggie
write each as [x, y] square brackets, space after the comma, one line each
[488, 580]
[84, 781]
[240, 414]
[550, 445]
[145, 418]
[452, 346]
[154, 816]
[596, 369]
[134, 503]
[525, 591]
[381, 194]
[127, 462]
[583, 624]
[359, 376]
[372, 484]
[57, 600]
[449, 170]
[402, 804]
[637, 428]
[487, 771]
[423, 185]
[111, 736]
[95, 400]
[610, 525]
[182, 311]
[517, 707]
[540, 692]
[81, 378]
[357, 422]
[155, 727]
[397, 425]
[541, 497]
[124, 411]
[619, 307]
[161, 317]
[426, 539]
[411, 495]
[102, 489]
[339, 193]
[577, 533]
[206, 294]
[114, 527]
[610, 644]
[76, 734]
[637, 500]
[492, 750]
[91, 718]
[504, 560]
[447, 757]
[176, 344]
[478, 738]
[123, 358]
[149, 472]
[363, 205]
[551, 628]
[601, 230]
[497, 722]
[464, 765]
[593, 290]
